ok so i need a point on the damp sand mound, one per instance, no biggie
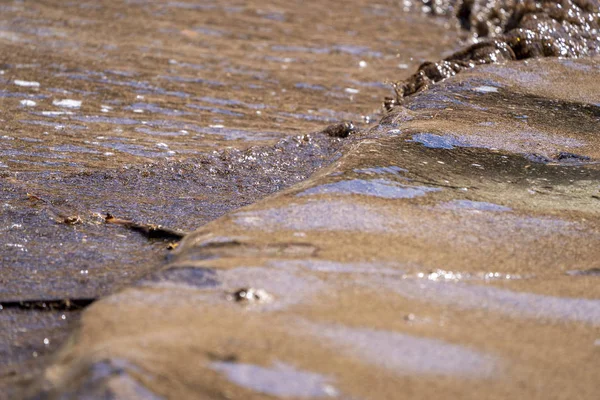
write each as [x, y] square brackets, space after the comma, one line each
[435, 258]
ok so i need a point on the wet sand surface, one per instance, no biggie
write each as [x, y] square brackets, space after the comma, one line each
[448, 251]
[145, 110]
[433, 259]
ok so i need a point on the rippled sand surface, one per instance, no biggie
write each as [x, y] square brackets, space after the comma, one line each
[448, 250]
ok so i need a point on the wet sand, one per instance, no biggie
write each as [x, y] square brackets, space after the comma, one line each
[432, 259]
[165, 113]
[450, 250]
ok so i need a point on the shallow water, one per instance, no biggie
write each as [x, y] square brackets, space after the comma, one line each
[127, 82]
[443, 252]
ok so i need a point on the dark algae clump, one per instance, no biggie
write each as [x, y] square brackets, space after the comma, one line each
[510, 30]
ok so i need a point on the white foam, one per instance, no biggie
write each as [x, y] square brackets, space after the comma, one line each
[19, 82]
[67, 103]
[28, 103]
[55, 113]
[486, 89]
